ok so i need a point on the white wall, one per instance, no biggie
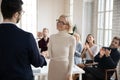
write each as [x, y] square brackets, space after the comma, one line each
[0, 13]
[1, 17]
[48, 12]
[87, 19]
[83, 15]
[78, 15]
[116, 24]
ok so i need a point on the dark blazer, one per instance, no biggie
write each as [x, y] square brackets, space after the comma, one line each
[98, 73]
[18, 51]
[43, 44]
[108, 62]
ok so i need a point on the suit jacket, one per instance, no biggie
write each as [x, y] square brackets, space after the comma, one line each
[18, 50]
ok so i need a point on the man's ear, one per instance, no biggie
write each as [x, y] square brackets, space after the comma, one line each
[119, 46]
[16, 15]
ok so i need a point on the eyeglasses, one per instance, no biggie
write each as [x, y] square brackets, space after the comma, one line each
[21, 12]
[61, 22]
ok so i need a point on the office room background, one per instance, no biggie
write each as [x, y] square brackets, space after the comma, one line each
[98, 17]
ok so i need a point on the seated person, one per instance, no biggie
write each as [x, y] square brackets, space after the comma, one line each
[77, 58]
[43, 42]
[89, 51]
[107, 58]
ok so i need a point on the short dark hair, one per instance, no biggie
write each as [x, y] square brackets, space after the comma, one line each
[117, 38]
[9, 7]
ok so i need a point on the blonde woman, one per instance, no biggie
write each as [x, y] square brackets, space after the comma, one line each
[61, 49]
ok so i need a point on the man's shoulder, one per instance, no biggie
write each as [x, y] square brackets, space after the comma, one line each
[118, 51]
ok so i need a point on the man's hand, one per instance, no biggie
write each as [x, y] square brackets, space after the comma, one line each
[107, 52]
[102, 52]
[45, 54]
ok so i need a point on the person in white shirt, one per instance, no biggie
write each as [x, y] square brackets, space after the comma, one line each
[90, 50]
[61, 48]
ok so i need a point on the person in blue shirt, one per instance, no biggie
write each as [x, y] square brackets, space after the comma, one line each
[77, 55]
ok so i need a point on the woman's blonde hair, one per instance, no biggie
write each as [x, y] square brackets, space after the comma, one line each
[67, 22]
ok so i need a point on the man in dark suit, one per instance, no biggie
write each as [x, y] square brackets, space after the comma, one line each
[18, 49]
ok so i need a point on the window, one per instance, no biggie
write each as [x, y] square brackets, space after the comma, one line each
[104, 27]
[28, 20]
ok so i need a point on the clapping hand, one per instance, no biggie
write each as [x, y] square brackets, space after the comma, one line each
[105, 52]
[87, 45]
[102, 52]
